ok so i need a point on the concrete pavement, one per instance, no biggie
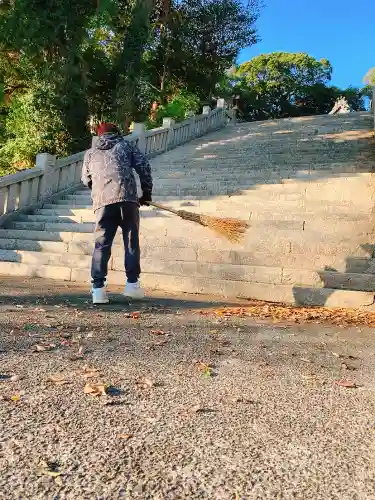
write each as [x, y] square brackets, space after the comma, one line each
[200, 404]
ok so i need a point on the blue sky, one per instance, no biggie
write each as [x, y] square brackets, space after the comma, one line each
[341, 31]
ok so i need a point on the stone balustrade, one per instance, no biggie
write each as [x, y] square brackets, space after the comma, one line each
[52, 178]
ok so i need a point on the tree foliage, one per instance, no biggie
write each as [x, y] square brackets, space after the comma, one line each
[65, 65]
[198, 41]
[283, 84]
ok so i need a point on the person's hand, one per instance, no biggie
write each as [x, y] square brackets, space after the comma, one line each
[145, 198]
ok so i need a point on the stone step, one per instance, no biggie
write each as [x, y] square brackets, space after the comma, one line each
[193, 268]
[210, 205]
[272, 251]
[73, 227]
[329, 193]
[340, 263]
[225, 288]
[297, 222]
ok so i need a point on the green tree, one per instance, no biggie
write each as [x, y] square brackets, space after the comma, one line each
[282, 79]
[197, 42]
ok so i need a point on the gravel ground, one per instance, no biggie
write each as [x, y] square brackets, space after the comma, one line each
[197, 406]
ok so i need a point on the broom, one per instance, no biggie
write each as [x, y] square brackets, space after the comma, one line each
[231, 229]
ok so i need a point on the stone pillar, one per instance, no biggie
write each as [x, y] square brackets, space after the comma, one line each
[49, 180]
[139, 130]
[192, 127]
[221, 103]
[169, 124]
[206, 110]
[94, 140]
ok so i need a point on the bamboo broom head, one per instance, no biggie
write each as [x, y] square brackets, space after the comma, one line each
[231, 229]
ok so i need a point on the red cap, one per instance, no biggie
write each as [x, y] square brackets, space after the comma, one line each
[107, 128]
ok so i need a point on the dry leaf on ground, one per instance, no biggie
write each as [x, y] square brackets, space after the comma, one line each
[125, 436]
[261, 310]
[136, 315]
[157, 332]
[95, 389]
[200, 409]
[48, 469]
[147, 383]
[75, 357]
[42, 348]
[345, 366]
[348, 384]
[204, 368]
[89, 372]
[58, 380]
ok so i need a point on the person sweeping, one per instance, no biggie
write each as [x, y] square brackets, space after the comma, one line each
[108, 170]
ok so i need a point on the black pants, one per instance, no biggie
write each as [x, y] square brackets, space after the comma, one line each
[108, 219]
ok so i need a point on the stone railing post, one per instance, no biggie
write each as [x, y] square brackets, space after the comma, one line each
[47, 163]
[221, 103]
[169, 123]
[373, 104]
[192, 126]
[206, 110]
[94, 140]
[139, 130]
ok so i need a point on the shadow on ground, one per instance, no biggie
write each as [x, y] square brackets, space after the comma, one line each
[16, 293]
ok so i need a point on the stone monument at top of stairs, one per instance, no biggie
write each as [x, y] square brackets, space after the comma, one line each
[341, 107]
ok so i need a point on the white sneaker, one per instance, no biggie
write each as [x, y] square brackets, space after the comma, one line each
[133, 290]
[99, 296]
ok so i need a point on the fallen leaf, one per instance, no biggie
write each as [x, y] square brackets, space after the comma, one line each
[58, 380]
[40, 348]
[136, 315]
[311, 376]
[75, 357]
[200, 409]
[157, 332]
[204, 368]
[108, 401]
[345, 366]
[16, 398]
[125, 436]
[147, 383]
[216, 352]
[65, 335]
[305, 360]
[151, 420]
[347, 384]
[240, 399]
[48, 469]
[95, 389]
[213, 332]
[89, 372]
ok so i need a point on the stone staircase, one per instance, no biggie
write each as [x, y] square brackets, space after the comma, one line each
[305, 185]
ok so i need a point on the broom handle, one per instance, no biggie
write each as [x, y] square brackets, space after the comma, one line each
[163, 207]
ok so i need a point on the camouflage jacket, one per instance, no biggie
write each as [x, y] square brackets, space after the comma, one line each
[108, 171]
